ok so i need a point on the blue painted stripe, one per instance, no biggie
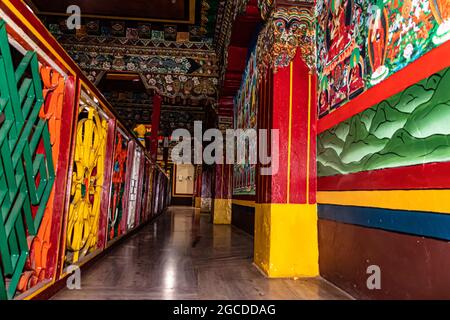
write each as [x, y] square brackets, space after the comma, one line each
[427, 224]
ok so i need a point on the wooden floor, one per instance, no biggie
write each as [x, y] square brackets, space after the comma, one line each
[183, 256]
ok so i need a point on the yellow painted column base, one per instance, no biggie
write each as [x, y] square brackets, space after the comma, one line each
[197, 202]
[286, 240]
[222, 211]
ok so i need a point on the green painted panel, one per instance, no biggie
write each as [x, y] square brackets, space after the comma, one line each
[409, 128]
[26, 166]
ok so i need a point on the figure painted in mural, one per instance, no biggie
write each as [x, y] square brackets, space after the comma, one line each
[441, 12]
[388, 34]
[118, 188]
[356, 82]
[377, 39]
[246, 105]
[337, 42]
[339, 26]
[323, 102]
[339, 83]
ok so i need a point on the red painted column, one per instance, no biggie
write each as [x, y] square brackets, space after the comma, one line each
[286, 211]
[198, 187]
[206, 188]
[156, 118]
[223, 184]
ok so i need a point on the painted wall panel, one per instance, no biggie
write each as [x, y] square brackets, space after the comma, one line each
[382, 158]
[87, 182]
[409, 128]
[362, 42]
[246, 103]
[116, 214]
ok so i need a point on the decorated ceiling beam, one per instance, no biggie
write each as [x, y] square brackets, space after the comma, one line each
[135, 42]
[185, 75]
[227, 13]
[266, 7]
[172, 117]
[190, 89]
[129, 29]
[142, 59]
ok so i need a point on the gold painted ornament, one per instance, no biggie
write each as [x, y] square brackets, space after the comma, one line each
[87, 186]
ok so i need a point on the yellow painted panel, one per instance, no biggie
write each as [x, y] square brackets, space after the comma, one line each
[417, 200]
[198, 202]
[261, 255]
[222, 211]
[286, 240]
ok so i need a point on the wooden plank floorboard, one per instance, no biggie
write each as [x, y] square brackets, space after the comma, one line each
[183, 256]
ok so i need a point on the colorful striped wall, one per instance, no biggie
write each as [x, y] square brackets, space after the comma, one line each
[383, 188]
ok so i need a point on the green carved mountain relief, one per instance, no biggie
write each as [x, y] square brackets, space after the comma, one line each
[409, 128]
[360, 142]
[404, 149]
[332, 142]
[367, 117]
[387, 120]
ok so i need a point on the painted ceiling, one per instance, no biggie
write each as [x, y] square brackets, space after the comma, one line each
[179, 51]
[179, 10]
[171, 51]
[183, 22]
[133, 103]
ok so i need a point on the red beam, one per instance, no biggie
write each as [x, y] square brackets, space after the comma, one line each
[427, 176]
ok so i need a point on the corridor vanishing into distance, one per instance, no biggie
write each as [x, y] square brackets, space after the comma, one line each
[224, 149]
[183, 256]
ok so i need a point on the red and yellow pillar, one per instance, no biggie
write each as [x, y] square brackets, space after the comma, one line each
[286, 243]
[223, 194]
[223, 182]
[198, 187]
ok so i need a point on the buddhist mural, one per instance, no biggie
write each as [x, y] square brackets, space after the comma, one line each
[362, 42]
[245, 118]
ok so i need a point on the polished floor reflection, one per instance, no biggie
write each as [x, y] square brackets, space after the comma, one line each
[183, 256]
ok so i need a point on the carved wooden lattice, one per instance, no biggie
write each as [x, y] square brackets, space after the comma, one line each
[26, 166]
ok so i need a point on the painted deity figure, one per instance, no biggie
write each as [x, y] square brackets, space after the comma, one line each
[340, 44]
[356, 82]
[441, 12]
[340, 29]
[377, 43]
